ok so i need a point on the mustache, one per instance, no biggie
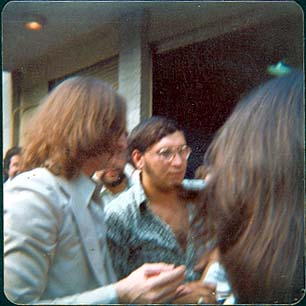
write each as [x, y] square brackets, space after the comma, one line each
[177, 172]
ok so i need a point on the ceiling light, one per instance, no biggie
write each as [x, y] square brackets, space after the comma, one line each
[34, 23]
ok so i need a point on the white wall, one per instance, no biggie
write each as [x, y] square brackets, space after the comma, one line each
[30, 99]
[35, 78]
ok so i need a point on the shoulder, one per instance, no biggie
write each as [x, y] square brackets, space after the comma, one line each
[123, 214]
[38, 181]
[36, 192]
[32, 179]
[126, 201]
[122, 217]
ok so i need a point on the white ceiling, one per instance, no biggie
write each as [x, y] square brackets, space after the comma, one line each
[64, 22]
[71, 21]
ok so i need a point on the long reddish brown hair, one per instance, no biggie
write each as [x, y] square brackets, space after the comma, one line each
[253, 205]
[81, 118]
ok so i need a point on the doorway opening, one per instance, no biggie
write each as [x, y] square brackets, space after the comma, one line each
[199, 85]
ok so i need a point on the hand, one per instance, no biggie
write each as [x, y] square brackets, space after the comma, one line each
[151, 283]
[98, 175]
[195, 292]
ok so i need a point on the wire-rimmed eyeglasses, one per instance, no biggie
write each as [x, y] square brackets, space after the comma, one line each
[168, 154]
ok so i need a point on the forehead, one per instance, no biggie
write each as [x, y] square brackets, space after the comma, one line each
[172, 140]
[15, 159]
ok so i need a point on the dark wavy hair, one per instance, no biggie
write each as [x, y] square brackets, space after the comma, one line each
[81, 118]
[150, 131]
[7, 160]
[253, 204]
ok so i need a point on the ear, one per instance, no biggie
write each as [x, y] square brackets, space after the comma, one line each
[138, 159]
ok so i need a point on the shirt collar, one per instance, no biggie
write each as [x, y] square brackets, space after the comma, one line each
[83, 186]
[142, 200]
[103, 189]
[140, 195]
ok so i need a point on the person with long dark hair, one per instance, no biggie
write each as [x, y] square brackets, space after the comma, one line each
[253, 204]
[55, 250]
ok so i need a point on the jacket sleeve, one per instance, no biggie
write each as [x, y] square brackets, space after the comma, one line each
[102, 295]
[32, 220]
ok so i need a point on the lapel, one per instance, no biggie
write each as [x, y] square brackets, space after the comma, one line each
[81, 190]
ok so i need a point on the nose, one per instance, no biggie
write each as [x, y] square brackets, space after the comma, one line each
[122, 142]
[120, 155]
[177, 160]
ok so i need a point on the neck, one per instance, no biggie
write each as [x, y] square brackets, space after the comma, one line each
[89, 167]
[157, 195]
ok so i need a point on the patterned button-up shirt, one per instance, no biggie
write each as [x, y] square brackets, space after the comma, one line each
[136, 235]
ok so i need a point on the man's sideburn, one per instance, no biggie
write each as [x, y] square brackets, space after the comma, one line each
[154, 177]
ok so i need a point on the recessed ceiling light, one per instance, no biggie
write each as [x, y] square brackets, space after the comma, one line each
[34, 23]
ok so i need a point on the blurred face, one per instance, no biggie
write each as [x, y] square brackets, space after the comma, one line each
[106, 160]
[114, 172]
[165, 163]
[14, 166]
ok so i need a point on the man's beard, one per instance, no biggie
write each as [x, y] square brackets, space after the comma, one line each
[117, 182]
[161, 187]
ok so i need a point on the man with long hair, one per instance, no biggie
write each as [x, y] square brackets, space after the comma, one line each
[253, 204]
[54, 231]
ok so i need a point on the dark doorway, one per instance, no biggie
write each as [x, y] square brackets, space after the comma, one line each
[199, 85]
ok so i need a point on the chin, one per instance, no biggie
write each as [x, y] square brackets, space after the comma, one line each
[109, 182]
[175, 185]
[177, 180]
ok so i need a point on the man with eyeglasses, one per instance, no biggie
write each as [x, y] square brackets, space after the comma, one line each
[150, 222]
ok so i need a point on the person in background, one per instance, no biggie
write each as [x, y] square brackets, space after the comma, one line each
[151, 221]
[11, 163]
[113, 180]
[253, 205]
[131, 171]
[55, 251]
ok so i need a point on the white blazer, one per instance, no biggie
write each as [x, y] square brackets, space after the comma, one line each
[55, 250]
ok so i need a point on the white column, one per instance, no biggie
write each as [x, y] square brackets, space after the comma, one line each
[7, 102]
[135, 73]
